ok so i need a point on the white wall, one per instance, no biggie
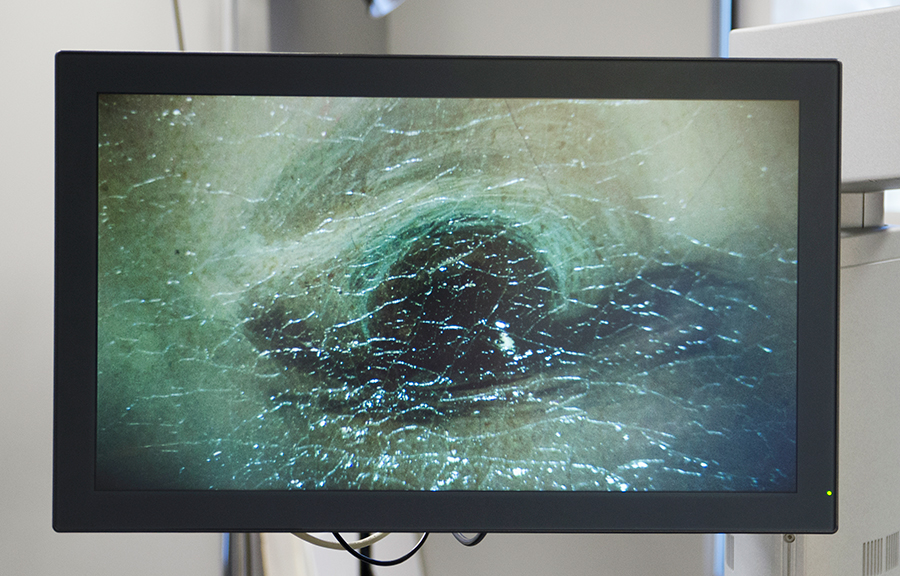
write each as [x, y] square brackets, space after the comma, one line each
[558, 28]
[573, 555]
[30, 34]
[326, 26]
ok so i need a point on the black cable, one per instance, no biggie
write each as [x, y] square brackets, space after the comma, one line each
[375, 562]
[365, 569]
[466, 541]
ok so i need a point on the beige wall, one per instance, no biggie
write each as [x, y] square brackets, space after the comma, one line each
[30, 34]
[560, 28]
[524, 27]
[326, 26]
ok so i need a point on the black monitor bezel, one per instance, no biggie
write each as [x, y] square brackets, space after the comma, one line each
[81, 76]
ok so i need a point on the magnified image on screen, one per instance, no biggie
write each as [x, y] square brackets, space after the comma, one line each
[446, 294]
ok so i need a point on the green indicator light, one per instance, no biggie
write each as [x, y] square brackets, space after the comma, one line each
[829, 492]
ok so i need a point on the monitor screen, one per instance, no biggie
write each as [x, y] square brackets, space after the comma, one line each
[422, 293]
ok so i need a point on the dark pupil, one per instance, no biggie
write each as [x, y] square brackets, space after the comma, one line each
[462, 306]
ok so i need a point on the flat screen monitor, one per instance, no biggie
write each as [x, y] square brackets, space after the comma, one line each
[343, 293]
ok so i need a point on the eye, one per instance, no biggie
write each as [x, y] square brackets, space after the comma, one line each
[367, 285]
[452, 311]
[463, 307]
[458, 305]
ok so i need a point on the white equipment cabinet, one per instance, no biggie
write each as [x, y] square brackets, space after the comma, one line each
[868, 539]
